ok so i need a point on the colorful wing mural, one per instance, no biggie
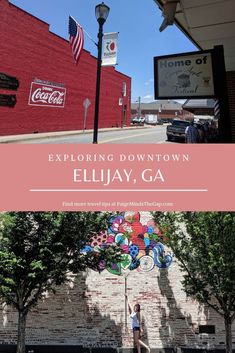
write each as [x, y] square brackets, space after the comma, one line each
[141, 245]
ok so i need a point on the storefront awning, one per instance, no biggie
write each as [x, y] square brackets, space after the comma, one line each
[207, 23]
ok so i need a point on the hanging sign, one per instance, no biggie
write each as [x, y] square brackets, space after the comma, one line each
[8, 82]
[110, 49]
[185, 75]
[7, 100]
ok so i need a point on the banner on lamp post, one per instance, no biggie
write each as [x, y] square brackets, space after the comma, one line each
[110, 49]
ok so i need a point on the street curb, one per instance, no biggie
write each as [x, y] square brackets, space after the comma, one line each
[39, 136]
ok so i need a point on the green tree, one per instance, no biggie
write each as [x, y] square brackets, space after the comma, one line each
[39, 249]
[204, 245]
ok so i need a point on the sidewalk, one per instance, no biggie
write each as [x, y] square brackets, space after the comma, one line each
[38, 136]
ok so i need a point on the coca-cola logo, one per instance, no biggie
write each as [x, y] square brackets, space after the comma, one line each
[47, 95]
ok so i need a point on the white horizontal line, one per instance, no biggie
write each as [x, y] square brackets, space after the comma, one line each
[118, 190]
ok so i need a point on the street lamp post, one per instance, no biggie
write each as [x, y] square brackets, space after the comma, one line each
[101, 12]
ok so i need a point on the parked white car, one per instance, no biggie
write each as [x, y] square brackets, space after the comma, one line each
[138, 120]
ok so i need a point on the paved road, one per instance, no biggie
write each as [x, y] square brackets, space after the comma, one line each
[155, 134]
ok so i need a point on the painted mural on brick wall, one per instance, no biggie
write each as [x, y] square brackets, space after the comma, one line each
[142, 244]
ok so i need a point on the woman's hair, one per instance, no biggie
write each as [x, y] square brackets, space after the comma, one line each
[137, 306]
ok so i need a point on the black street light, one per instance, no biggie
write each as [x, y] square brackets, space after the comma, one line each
[101, 13]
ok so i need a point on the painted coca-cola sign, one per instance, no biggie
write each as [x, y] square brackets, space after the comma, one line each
[47, 95]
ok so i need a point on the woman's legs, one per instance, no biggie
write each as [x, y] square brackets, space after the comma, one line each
[136, 340]
[139, 343]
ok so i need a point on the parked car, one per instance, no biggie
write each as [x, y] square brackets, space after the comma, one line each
[138, 120]
[176, 131]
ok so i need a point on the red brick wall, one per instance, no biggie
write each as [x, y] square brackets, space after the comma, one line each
[28, 51]
[231, 97]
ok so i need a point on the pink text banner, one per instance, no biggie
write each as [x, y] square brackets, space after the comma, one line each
[117, 177]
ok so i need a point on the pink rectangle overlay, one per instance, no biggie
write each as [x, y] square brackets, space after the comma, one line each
[117, 177]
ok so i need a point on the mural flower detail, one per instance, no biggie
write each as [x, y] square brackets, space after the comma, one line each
[99, 239]
[114, 222]
[141, 245]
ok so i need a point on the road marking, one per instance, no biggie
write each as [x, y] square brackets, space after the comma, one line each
[127, 137]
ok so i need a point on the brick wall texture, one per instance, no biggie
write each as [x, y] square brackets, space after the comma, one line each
[29, 50]
[90, 311]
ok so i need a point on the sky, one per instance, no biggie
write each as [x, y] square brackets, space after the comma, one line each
[137, 22]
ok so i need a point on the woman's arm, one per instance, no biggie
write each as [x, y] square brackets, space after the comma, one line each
[129, 306]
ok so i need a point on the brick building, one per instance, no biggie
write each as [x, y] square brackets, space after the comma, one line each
[165, 110]
[90, 312]
[40, 59]
[200, 106]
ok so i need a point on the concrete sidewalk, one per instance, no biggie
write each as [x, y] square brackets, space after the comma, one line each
[38, 136]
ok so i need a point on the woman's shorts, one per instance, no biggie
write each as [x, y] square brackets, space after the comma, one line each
[136, 328]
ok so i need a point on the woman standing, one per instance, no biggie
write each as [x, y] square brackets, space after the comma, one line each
[135, 325]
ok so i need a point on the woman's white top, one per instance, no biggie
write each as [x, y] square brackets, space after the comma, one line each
[134, 320]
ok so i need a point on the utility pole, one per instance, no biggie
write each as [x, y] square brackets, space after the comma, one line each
[139, 110]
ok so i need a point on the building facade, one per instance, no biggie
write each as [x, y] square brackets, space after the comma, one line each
[165, 110]
[52, 89]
